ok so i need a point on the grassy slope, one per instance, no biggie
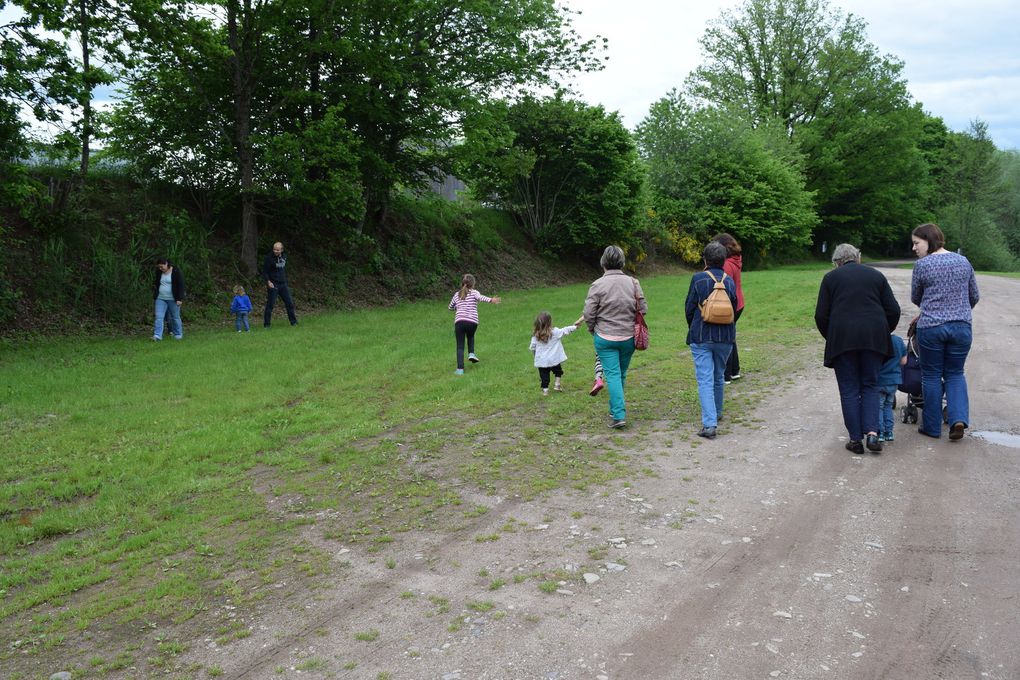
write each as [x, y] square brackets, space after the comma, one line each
[138, 475]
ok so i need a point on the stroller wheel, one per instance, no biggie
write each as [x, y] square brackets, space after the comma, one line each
[904, 416]
[909, 413]
[945, 415]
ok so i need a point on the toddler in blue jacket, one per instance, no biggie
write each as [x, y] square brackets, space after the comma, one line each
[240, 308]
[889, 379]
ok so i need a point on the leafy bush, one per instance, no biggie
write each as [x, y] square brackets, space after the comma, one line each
[567, 171]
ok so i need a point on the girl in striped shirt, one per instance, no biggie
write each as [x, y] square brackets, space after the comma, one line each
[465, 321]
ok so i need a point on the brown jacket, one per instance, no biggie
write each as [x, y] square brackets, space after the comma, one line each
[610, 306]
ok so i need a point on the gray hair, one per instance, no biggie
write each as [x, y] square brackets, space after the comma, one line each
[844, 253]
[612, 258]
[715, 254]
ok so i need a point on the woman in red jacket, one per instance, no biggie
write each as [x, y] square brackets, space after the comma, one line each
[732, 266]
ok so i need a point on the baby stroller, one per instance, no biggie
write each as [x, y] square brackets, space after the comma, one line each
[911, 384]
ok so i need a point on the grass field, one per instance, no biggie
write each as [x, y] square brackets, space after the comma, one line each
[141, 479]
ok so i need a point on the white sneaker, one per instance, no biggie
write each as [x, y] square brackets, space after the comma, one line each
[545, 391]
[472, 358]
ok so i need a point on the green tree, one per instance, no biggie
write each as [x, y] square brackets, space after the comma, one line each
[100, 29]
[409, 73]
[402, 76]
[570, 176]
[710, 172]
[1007, 205]
[28, 62]
[972, 188]
[812, 69]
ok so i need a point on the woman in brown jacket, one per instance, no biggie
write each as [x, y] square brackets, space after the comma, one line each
[609, 313]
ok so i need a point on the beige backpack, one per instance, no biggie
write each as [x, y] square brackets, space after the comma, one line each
[717, 307]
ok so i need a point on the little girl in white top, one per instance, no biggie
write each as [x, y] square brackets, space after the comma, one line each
[547, 347]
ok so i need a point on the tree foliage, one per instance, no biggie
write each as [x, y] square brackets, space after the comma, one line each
[711, 172]
[972, 188]
[1007, 204]
[569, 174]
[847, 108]
[399, 77]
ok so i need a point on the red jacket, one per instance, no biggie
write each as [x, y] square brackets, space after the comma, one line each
[732, 267]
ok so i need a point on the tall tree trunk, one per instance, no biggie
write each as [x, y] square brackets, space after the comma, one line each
[86, 95]
[243, 93]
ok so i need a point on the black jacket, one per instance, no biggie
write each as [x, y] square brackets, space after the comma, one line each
[176, 283]
[274, 269]
[856, 310]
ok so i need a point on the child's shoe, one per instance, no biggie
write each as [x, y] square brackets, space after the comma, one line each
[459, 371]
[889, 437]
[545, 391]
[558, 387]
[597, 387]
[472, 358]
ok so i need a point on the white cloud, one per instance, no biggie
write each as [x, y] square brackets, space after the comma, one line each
[960, 58]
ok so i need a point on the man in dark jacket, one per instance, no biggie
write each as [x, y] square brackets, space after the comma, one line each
[168, 294]
[274, 273]
[855, 313]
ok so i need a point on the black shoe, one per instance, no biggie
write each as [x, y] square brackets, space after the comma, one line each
[618, 424]
[873, 444]
[933, 436]
[707, 432]
[956, 431]
[854, 446]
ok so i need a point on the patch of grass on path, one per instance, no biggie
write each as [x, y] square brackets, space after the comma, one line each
[153, 481]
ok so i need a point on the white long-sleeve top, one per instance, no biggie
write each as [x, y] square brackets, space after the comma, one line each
[551, 353]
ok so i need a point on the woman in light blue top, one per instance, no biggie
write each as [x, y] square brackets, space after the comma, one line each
[168, 296]
[945, 288]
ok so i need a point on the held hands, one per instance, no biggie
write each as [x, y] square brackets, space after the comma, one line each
[269, 284]
[580, 320]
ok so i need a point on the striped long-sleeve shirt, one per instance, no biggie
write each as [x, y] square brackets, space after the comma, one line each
[467, 309]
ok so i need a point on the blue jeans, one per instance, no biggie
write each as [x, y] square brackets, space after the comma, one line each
[615, 357]
[173, 310]
[241, 319]
[709, 370]
[944, 351]
[857, 377]
[886, 399]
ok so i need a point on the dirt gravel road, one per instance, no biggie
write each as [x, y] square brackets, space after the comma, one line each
[770, 552]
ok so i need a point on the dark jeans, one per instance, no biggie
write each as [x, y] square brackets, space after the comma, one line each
[733, 363]
[464, 329]
[857, 377]
[544, 371]
[284, 293]
[944, 351]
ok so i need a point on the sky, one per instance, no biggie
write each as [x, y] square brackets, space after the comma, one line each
[961, 58]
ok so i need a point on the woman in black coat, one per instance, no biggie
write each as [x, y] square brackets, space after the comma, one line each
[855, 313]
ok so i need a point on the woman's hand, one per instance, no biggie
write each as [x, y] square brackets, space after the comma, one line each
[580, 320]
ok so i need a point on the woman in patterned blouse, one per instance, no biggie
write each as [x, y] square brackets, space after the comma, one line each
[945, 288]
